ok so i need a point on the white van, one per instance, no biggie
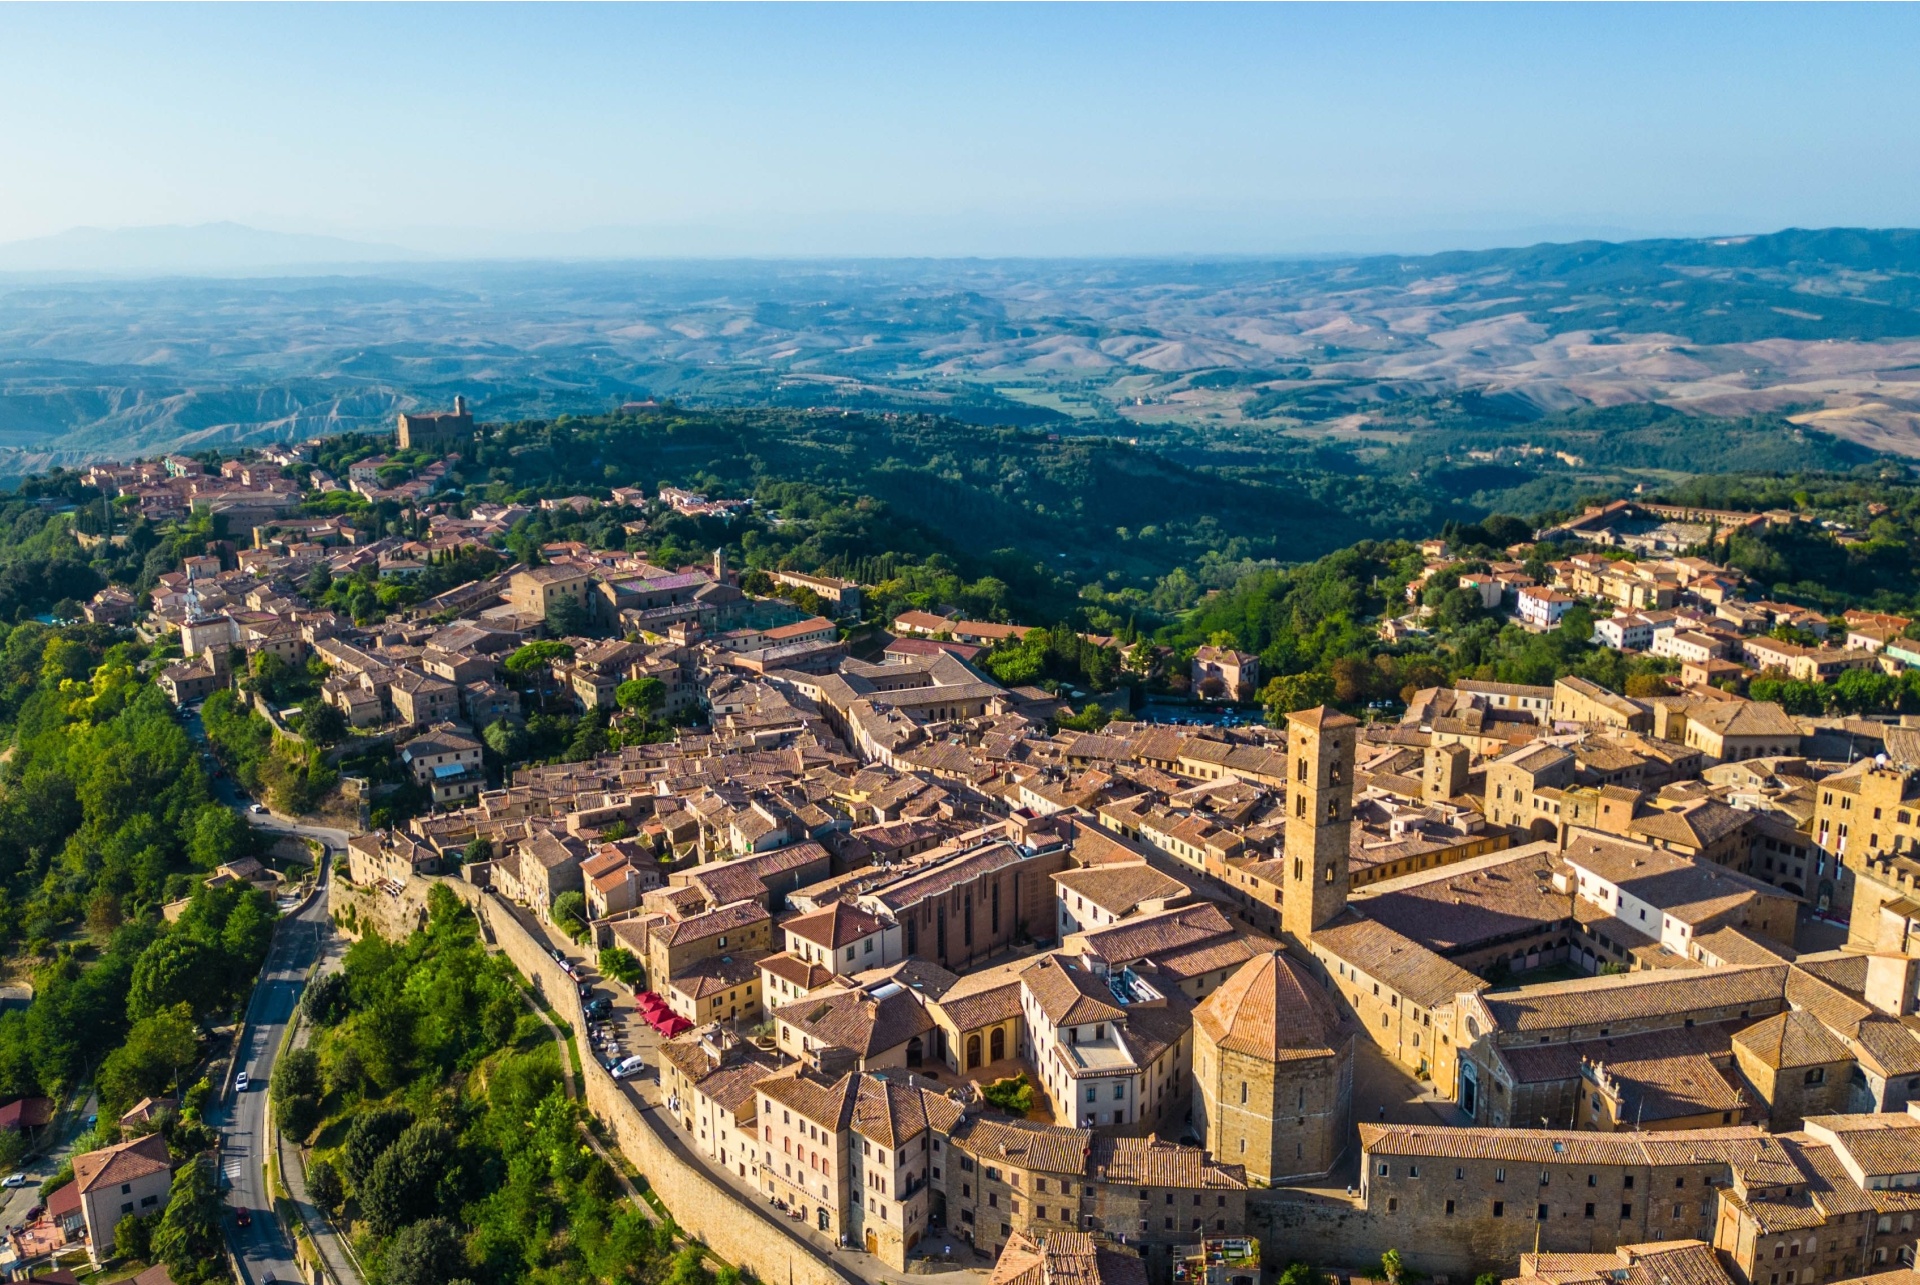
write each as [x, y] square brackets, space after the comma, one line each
[630, 1066]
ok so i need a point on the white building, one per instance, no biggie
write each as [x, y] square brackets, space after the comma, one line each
[1624, 632]
[1543, 607]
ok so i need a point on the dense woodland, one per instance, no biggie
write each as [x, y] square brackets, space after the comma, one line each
[1282, 547]
[442, 1130]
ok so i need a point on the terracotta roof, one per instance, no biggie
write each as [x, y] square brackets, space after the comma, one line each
[1321, 717]
[1271, 1009]
[1395, 959]
[1022, 1261]
[796, 971]
[1879, 1145]
[1677, 1262]
[124, 1162]
[827, 1104]
[840, 924]
[741, 914]
[1144, 936]
[893, 1114]
[858, 1022]
[1149, 1162]
[983, 1006]
[1792, 1039]
[1746, 1143]
[1630, 997]
[1068, 994]
[1118, 889]
[1044, 1147]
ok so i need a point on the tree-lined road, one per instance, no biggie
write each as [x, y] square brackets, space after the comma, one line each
[263, 1247]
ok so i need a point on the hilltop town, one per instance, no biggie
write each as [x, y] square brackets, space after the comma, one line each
[1548, 980]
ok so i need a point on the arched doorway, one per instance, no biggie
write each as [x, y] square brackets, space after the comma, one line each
[973, 1051]
[997, 1043]
[1469, 1089]
[916, 1052]
[1543, 830]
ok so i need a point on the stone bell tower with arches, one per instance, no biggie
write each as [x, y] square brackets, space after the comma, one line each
[1320, 758]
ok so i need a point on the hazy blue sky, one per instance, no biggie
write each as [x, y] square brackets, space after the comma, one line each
[958, 128]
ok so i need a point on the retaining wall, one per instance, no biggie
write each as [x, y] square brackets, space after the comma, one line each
[733, 1228]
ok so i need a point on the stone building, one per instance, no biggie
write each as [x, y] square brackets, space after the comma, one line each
[1273, 1072]
[438, 431]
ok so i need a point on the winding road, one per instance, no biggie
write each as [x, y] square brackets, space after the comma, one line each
[263, 1247]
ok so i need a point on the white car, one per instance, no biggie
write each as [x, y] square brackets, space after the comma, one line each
[629, 1067]
[258, 809]
[14, 1180]
[240, 1082]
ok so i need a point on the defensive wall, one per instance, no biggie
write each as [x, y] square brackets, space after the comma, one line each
[734, 1228]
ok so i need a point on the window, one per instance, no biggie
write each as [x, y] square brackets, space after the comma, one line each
[1626, 1211]
[1589, 1209]
[1499, 1208]
[1449, 1209]
[1499, 1175]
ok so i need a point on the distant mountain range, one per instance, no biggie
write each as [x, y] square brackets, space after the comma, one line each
[1370, 355]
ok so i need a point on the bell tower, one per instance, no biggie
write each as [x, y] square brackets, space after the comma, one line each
[1320, 753]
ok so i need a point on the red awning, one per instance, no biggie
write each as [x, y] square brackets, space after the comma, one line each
[674, 1025]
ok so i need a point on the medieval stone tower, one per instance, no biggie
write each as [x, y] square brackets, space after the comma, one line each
[1320, 750]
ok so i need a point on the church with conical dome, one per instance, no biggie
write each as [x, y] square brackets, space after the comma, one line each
[1273, 1072]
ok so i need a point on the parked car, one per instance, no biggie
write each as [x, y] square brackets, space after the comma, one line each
[258, 808]
[240, 1082]
[243, 1217]
[627, 1068]
[14, 1180]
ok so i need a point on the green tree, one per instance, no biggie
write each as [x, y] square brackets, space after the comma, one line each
[641, 695]
[620, 964]
[178, 969]
[1282, 696]
[428, 1252]
[506, 740]
[133, 1237]
[570, 915]
[323, 1184]
[297, 1072]
[1392, 1269]
[219, 836]
[533, 655]
[325, 1000]
[322, 723]
[567, 617]
[157, 1050]
[368, 1139]
[188, 1237]
[406, 1179]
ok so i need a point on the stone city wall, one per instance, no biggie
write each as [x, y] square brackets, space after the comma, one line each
[735, 1229]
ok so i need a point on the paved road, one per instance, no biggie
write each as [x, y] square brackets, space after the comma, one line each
[263, 1247]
